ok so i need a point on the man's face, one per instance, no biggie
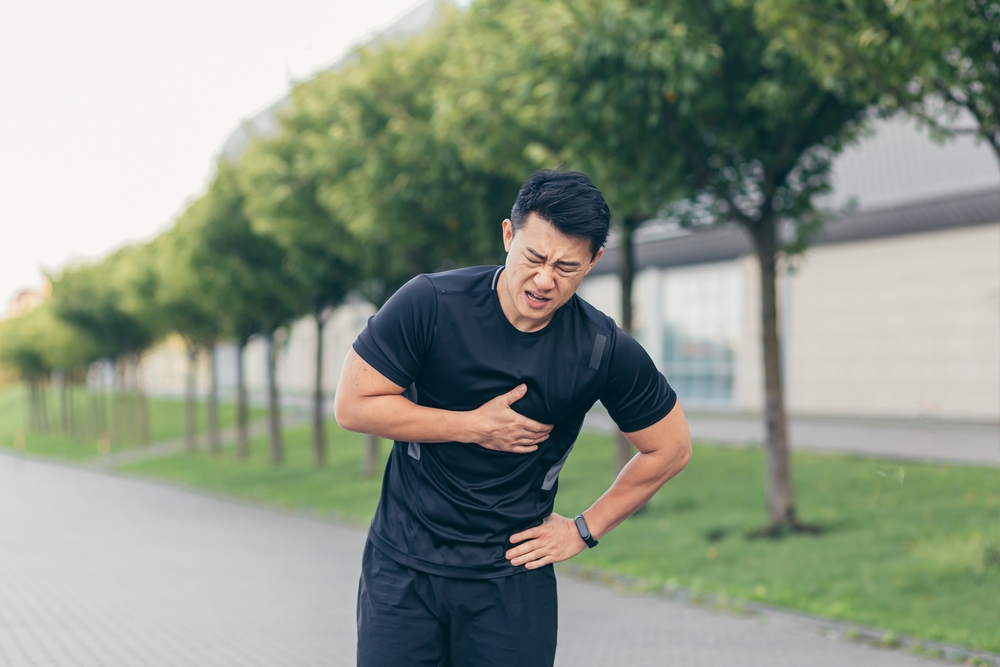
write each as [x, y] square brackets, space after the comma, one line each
[544, 268]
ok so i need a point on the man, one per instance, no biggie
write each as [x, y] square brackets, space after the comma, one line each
[483, 376]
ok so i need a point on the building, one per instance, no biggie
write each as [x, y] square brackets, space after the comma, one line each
[895, 312]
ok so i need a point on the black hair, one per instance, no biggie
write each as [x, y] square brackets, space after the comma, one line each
[569, 201]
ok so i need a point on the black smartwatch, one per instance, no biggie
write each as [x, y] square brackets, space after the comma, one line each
[581, 525]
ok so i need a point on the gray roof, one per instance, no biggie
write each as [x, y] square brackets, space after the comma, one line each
[727, 242]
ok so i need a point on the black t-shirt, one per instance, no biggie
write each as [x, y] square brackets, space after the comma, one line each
[449, 508]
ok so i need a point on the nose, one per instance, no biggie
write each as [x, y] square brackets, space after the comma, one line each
[545, 279]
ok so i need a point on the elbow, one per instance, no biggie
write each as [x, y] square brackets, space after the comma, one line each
[343, 414]
[681, 456]
[684, 455]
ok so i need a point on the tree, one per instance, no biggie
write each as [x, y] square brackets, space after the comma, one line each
[68, 351]
[113, 303]
[399, 185]
[929, 58]
[322, 255]
[184, 298]
[21, 347]
[252, 290]
[758, 139]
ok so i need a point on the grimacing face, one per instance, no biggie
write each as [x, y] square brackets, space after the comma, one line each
[544, 268]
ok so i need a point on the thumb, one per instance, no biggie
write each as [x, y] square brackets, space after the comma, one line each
[515, 394]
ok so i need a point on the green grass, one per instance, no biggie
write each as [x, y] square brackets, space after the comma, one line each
[166, 419]
[339, 489]
[904, 549]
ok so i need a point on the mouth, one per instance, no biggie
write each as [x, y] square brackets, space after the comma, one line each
[536, 300]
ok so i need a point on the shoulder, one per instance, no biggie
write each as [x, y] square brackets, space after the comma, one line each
[591, 317]
[469, 279]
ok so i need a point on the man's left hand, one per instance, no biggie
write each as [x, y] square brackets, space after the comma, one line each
[557, 539]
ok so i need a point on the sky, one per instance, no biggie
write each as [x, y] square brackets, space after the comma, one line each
[112, 111]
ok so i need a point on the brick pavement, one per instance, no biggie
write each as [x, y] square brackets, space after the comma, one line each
[103, 570]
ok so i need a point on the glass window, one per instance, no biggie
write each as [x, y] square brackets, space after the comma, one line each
[702, 312]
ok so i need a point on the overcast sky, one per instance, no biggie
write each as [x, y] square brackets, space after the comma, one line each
[111, 111]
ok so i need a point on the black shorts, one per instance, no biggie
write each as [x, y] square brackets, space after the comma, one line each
[408, 617]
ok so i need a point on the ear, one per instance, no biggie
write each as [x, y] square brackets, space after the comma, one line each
[600, 251]
[508, 234]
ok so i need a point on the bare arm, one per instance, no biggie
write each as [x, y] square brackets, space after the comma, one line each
[664, 450]
[368, 402]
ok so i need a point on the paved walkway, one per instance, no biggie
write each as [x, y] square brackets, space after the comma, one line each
[977, 444]
[103, 570]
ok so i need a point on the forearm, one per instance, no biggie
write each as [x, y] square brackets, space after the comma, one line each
[635, 485]
[368, 402]
[398, 418]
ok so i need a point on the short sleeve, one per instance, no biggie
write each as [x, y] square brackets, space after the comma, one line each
[398, 336]
[636, 394]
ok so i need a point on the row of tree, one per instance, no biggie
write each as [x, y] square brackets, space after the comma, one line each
[406, 157]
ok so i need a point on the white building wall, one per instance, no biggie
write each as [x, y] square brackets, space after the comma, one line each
[748, 389]
[899, 327]
[902, 327]
[164, 367]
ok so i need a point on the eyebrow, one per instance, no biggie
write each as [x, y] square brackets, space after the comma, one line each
[562, 262]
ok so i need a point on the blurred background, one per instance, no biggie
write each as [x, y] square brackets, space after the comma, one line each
[806, 240]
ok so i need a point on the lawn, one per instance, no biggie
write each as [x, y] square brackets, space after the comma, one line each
[904, 550]
[166, 419]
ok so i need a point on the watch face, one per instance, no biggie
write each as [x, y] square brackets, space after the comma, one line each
[581, 525]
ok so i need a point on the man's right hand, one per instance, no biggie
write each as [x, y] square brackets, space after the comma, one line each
[496, 426]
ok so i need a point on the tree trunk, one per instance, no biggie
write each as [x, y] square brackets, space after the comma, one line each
[96, 404]
[31, 403]
[242, 436]
[141, 404]
[780, 500]
[369, 462]
[624, 450]
[214, 441]
[71, 404]
[190, 399]
[43, 395]
[63, 407]
[101, 409]
[319, 423]
[273, 403]
[117, 426]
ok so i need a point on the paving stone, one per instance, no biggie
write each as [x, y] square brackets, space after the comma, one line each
[99, 570]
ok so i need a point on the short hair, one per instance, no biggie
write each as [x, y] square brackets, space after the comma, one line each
[569, 201]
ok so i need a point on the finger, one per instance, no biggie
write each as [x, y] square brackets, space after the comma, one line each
[521, 549]
[515, 394]
[529, 534]
[541, 562]
[532, 426]
[530, 557]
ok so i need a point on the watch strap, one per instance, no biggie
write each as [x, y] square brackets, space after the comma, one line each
[581, 525]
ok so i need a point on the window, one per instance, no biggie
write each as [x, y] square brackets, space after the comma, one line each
[702, 310]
